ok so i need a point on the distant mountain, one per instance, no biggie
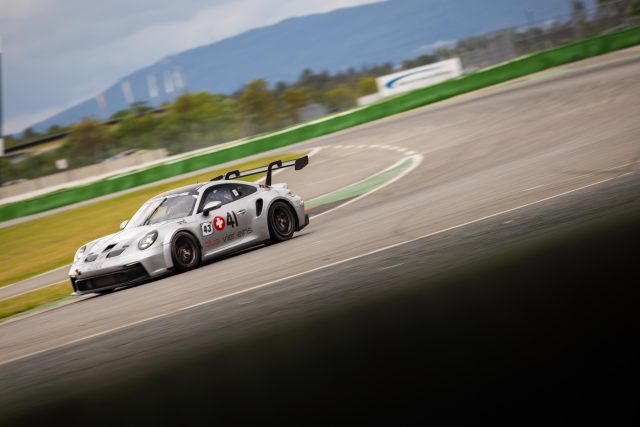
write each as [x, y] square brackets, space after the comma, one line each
[391, 31]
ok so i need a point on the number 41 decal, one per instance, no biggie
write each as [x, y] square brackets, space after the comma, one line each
[232, 219]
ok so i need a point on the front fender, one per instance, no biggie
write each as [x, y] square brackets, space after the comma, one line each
[167, 238]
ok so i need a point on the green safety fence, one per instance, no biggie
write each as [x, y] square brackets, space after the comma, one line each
[510, 70]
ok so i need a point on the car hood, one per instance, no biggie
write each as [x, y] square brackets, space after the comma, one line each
[119, 240]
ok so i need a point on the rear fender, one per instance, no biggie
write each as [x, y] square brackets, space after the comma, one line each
[296, 213]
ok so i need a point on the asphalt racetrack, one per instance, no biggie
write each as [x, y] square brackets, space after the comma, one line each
[496, 173]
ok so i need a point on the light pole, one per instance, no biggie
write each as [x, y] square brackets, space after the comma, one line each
[1, 128]
[530, 18]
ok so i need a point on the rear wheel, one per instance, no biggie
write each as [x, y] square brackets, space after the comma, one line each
[185, 251]
[282, 222]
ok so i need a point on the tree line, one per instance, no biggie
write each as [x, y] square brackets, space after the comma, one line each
[195, 120]
[201, 119]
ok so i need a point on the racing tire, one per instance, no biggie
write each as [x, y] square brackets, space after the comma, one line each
[185, 251]
[282, 222]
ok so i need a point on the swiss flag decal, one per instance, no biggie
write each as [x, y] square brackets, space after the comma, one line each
[218, 223]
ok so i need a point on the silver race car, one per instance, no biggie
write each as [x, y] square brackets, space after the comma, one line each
[178, 230]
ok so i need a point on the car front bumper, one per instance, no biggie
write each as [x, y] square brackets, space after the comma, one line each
[128, 275]
[109, 273]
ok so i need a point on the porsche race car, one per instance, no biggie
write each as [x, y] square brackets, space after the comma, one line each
[178, 230]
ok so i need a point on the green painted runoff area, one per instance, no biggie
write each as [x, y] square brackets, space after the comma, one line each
[362, 187]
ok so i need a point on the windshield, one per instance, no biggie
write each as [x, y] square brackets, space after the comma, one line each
[166, 209]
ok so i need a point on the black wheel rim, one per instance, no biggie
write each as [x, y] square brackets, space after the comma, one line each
[185, 251]
[282, 220]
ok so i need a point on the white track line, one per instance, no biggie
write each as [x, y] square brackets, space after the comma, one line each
[33, 290]
[35, 277]
[532, 188]
[273, 282]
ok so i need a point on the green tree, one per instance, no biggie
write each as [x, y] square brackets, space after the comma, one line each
[55, 129]
[198, 119]
[29, 134]
[295, 98]
[136, 131]
[89, 139]
[257, 103]
[120, 114]
[339, 98]
[205, 111]
[634, 8]
[314, 82]
[424, 59]
[380, 70]
[140, 107]
[367, 86]
[279, 89]
[10, 141]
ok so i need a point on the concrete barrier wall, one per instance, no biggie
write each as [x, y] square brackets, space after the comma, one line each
[510, 70]
[103, 168]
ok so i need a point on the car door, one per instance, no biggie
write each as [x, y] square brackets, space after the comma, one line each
[230, 225]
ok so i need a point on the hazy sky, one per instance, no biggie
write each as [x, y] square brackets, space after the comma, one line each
[56, 53]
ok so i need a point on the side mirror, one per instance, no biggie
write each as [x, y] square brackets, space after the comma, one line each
[123, 224]
[211, 206]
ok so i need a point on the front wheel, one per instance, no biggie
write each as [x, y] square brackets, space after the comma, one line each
[282, 222]
[185, 252]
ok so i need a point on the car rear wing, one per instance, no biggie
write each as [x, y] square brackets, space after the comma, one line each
[278, 164]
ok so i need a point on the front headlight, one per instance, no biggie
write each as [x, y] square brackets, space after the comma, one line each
[147, 240]
[79, 253]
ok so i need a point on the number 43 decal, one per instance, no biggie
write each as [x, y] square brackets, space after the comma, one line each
[219, 223]
[207, 229]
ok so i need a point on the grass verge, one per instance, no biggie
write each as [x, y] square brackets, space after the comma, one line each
[30, 300]
[43, 244]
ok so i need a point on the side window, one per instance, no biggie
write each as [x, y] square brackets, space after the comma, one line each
[219, 193]
[240, 190]
[225, 193]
